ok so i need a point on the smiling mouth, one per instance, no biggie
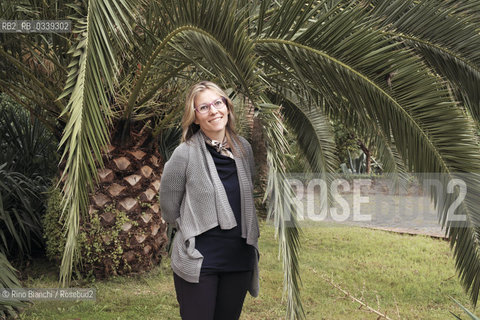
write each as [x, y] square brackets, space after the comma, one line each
[216, 119]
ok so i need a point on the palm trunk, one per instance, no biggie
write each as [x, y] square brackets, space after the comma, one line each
[125, 232]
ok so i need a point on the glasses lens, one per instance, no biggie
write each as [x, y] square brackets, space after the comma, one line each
[203, 108]
[218, 104]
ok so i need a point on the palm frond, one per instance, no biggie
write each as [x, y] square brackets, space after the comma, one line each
[288, 17]
[91, 78]
[312, 129]
[448, 40]
[372, 133]
[168, 138]
[26, 145]
[8, 280]
[415, 109]
[468, 312]
[282, 208]
[218, 46]
[20, 209]
[37, 85]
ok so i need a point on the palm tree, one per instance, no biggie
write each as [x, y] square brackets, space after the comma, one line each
[408, 85]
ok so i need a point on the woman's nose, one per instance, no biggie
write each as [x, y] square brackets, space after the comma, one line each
[212, 109]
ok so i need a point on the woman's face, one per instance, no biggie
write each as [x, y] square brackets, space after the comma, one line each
[214, 121]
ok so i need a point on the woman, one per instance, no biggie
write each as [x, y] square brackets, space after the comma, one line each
[206, 192]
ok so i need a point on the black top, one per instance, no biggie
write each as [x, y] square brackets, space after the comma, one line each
[226, 250]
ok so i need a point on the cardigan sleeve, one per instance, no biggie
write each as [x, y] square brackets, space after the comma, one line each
[172, 184]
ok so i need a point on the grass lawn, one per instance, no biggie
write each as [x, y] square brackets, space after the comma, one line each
[404, 277]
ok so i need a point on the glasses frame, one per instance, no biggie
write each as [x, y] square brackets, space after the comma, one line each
[212, 104]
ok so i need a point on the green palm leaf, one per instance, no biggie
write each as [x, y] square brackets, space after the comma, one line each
[282, 209]
[19, 211]
[92, 74]
[216, 46]
[8, 280]
[416, 110]
[448, 40]
[314, 134]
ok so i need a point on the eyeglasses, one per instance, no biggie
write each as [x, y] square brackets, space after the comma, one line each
[218, 104]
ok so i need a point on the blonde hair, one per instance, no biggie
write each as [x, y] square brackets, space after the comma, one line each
[189, 127]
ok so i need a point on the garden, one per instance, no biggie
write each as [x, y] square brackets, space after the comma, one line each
[92, 94]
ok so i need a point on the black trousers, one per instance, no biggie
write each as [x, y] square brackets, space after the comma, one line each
[217, 296]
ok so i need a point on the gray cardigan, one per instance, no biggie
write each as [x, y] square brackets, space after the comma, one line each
[192, 198]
